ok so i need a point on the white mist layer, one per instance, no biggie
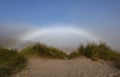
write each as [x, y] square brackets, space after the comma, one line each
[59, 31]
[61, 37]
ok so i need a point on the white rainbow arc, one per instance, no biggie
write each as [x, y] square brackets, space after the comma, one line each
[60, 30]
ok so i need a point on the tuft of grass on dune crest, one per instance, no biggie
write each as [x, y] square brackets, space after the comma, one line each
[44, 51]
[73, 54]
[10, 62]
[98, 51]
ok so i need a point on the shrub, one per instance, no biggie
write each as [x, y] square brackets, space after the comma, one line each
[98, 51]
[10, 62]
[42, 50]
[73, 55]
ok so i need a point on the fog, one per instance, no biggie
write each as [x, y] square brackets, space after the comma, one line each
[14, 35]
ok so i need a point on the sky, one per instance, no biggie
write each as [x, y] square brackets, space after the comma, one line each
[20, 19]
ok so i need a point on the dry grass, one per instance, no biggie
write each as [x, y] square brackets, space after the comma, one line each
[96, 51]
[42, 50]
[10, 62]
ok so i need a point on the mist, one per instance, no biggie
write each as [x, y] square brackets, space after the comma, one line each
[21, 19]
[11, 35]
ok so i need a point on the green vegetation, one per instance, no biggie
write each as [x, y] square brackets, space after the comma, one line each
[10, 62]
[73, 55]
[98, 51]
[43, 51]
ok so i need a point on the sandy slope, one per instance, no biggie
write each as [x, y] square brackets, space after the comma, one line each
[80, 67]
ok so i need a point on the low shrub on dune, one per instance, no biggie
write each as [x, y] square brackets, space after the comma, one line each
[42, 50]
[10, 62]
[98, 51]
[73, 54]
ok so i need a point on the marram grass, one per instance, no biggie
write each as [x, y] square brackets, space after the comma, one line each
[10, 62]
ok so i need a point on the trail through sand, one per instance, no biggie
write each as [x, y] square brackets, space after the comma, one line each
[80, 67]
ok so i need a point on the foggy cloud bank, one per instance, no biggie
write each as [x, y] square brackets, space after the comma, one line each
[11, 34]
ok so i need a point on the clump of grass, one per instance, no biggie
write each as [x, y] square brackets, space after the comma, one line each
[10, 62]
[73, 54]
[98, 51]
[42, 50]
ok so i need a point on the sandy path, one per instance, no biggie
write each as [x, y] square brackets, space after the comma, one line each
[80, 67]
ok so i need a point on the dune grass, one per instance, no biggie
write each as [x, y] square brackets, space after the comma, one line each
[73, 54]
[10, 62]
[44, 51]
[96, 51]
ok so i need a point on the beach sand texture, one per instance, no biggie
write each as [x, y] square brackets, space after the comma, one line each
[79, 67]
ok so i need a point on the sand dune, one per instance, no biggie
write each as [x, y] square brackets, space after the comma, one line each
[79, 67]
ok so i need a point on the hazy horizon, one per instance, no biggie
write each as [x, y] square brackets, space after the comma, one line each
[60, 23]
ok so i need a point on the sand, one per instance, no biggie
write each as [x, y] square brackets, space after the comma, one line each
[79, 67]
